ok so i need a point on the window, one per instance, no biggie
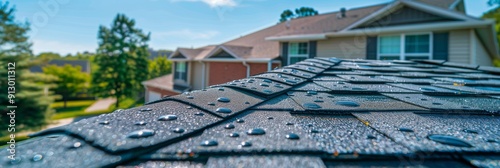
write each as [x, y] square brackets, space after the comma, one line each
[405, 47]
[297, 52]
[180, 71]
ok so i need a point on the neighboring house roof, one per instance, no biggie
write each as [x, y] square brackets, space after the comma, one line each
[164, 82]
[262, 44]
[323, 112]
[84, 64]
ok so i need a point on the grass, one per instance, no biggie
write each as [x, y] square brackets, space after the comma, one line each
[18, 138]
[72, 106]
[77, 108]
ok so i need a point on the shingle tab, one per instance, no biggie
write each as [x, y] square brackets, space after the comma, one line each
[363, 79]
[311, 86]
[345, 103]
[492, 90]
[344, 87]
[121, 125]
[280, 103]
[52, 149]
[263, 87]
[434, 103]
[483, 160]
[429, 89]
[266, 161]
[461, 127]
[295, 72]
[306, 68]
[283, 78]
[222, 97]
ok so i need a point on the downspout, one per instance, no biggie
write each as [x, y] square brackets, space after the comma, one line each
[269, 65]
[204, 73]
[248, 68]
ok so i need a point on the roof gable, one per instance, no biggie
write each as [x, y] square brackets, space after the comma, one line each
[222, 54]
[405, 15]
[421, 12]
[178, 55]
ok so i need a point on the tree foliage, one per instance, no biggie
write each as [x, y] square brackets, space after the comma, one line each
[159, 66]
[495, 14]
[31, 98]
[299, 12]
[122, 59]
[70, 80]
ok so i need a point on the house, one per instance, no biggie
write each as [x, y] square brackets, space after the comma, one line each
[334, 113]
[84, 64]
[399, 30]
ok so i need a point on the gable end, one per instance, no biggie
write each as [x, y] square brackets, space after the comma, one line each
[405, 15]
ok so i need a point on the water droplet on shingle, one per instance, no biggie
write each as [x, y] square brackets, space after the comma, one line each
[16, 160]
[211, 103]
[357, 89]
[209, 143]
[270, 118]
[221, 89]
[471, 131]
[104, 122]
[246, 144]
[256, 131]
[146, 109]
[189, 107]
[312, 92]
[427, 89]
[199, 114]
[437, 103]
[229, 126]
[240, 120]
[492, 141]
[311, 106]
[423, 99]
[405, 129]
[371, 137]
[37, 157]
[141, 123]
[314, 131]
[247, 102]
[292, 136]
[223, 99]
[347, 103]
[264, 84]
[267, 91]
[449, 140]
[318, 101]
[76, 144]
[234, 135]
[289, 123]
[223, 110]
[141, 133]
[290, 81]
[267, 81]
[167, 118]
[178, 130]
[189, 97]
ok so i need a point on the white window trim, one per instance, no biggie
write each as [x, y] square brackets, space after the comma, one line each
[402, 55]
[297, 55]
[180, 77]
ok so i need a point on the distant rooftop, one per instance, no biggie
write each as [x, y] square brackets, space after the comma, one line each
[322, 112]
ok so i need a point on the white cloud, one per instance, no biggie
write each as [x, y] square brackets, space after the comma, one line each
[61, 47]
[213, 3]
[186, 34]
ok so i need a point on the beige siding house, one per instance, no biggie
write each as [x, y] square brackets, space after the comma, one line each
[398, 30]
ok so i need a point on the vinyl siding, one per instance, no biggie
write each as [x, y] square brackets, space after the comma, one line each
[459, 48]
[196, 76]
[343, 47]
[482, 56]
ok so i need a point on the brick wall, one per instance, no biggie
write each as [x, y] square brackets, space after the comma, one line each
[222, 72]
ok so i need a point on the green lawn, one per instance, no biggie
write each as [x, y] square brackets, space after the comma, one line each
[72, 106]
[77, 108]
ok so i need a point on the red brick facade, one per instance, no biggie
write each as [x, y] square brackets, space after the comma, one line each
[222, 72]
[162, 91]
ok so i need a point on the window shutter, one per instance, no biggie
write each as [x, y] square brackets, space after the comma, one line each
[440, 48]
[371, 47]
[176, 74]
[284, 53]
[312, 49]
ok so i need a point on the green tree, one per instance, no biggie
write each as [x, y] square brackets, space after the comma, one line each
[494, 14]
[122, 59]
[159, 66]
[70, 80]
[47, 56]
[31, 96]
[299, 12]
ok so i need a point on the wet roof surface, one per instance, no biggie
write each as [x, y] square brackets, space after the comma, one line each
[322, 112]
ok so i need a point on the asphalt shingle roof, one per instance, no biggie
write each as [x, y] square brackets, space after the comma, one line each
[322, 112]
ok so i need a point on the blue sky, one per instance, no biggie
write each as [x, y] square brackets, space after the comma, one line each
[70, 26]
